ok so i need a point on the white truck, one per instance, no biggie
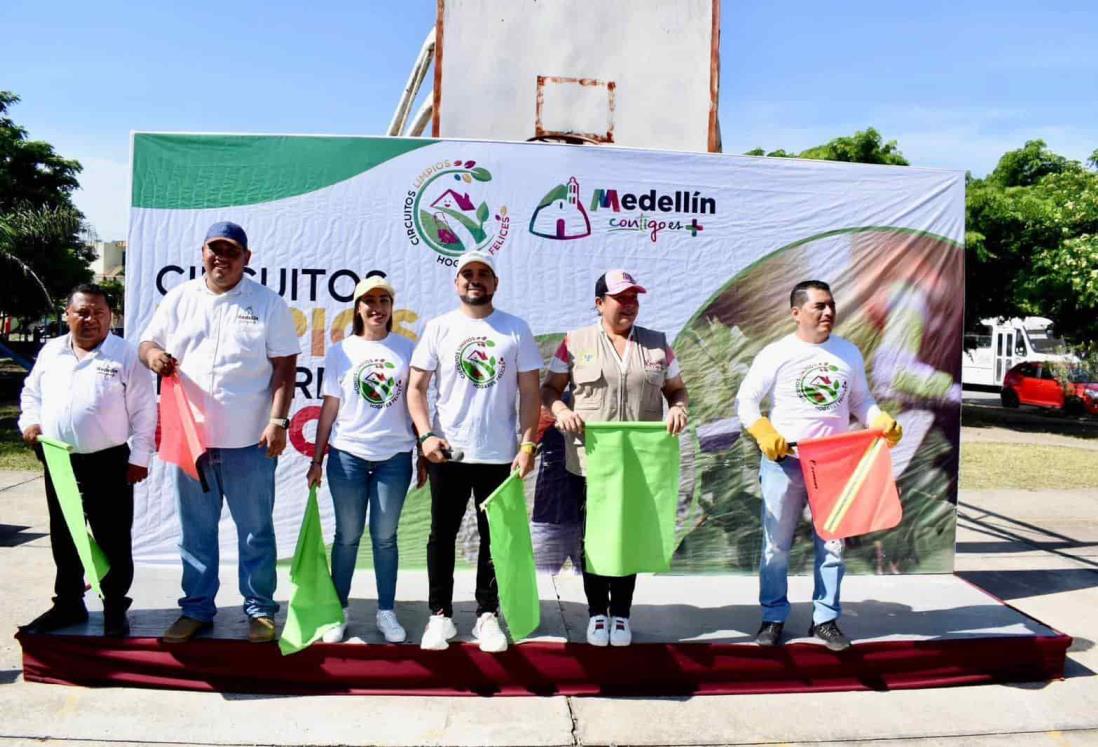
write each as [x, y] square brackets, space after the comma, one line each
[998, 344]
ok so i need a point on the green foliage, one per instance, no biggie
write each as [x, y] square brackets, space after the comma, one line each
[1033, 241]
[39, 225]
[1028, 165]
[864, 146]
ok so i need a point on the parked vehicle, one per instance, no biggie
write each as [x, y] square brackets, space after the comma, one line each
[999, 344]
[1071, 389]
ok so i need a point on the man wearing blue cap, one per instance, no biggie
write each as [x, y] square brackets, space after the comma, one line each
[233, 343]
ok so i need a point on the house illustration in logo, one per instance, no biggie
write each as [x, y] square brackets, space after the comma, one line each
[450, 199]
[560, 214]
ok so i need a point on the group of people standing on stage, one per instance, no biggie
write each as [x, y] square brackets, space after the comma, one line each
[234, 344]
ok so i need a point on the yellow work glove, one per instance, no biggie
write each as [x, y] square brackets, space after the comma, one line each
[891, 429]
[770, 441]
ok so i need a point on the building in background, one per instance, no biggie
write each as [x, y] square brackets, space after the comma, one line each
[110, 260]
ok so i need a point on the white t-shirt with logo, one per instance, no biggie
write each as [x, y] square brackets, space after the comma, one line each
[814, 388]
[476, 364]
[370, 377]
[223, 344]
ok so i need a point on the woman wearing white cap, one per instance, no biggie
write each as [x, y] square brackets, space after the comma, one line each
[365, 421]
[618, 371]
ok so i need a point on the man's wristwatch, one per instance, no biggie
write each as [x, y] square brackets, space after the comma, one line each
[425, 436]
[528, 447]
[280, 422]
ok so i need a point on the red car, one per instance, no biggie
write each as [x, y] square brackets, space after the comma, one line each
[1071, 389]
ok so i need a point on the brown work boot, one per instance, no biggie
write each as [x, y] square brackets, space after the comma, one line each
[184, 629]
[261, 630]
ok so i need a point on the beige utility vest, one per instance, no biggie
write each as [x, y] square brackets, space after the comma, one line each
[604, 392]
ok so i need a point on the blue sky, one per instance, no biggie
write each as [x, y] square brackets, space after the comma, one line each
[956, 83]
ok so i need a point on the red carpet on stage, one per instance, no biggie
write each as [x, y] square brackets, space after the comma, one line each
[538, 668]
[909, 632]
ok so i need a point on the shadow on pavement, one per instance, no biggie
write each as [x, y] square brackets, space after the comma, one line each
[1022, 584]
[1024, 420]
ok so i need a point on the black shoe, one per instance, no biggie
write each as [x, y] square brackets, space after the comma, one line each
[116, 624]
[770, 634]
[830, 634]
[56, 618]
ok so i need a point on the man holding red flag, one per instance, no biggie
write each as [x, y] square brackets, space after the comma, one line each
[816, 382]
[234, 344]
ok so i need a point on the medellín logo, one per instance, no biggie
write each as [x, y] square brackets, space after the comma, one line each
[448, 209]
[560, 214]
[477, 362]
[375, 383]
[822, 386]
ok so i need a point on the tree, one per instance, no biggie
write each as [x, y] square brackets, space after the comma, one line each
[864, 146]
[1033, 241]
[41, 255]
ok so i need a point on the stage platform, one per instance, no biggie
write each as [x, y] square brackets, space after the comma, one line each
[692, 635]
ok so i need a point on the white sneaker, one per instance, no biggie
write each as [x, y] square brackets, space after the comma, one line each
[620, 634]
[598, 630]
[487, 631]
[336, 633]
[390, 627]
[436, 636]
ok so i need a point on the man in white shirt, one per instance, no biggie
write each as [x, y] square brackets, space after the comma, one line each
[233, 343]
[482, 359]
[816, 382]
[88, 389]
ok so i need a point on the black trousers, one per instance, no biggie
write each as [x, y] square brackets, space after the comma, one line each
[613, 594]
[451, 485]
[108, 507]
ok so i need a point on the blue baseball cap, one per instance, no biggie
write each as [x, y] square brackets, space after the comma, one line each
[227, 231]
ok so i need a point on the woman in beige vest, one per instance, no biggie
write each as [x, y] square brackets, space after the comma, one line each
[618, 371]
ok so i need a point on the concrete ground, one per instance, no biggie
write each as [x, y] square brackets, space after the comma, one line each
[1036, 550]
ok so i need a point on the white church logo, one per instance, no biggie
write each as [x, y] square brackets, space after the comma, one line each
[560, 214]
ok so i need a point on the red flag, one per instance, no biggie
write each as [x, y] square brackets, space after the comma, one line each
[849, 483]
[182, 441]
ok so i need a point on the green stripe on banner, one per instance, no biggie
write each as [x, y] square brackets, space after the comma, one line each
[632, 494]
[513, 557]
[72, 507]
[314, 604]
[207, 171]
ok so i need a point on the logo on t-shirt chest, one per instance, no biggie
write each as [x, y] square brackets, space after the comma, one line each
[375, 381]
[106, 370]
[822, 385]
[247, 315]
[476, 360]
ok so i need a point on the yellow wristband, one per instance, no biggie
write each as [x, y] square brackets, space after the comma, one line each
[528, 447]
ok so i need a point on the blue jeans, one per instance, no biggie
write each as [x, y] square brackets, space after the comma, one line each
[784, 498]
[245, 479]
[356, 484]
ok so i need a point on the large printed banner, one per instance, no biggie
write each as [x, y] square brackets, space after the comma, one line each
[718, 241]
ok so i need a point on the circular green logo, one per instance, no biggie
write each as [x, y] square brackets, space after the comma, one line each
[451, 212]
[822, 386]
[477, 362]
[375, 383]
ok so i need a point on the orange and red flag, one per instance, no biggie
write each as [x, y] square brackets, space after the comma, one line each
[849, 483]
[182, 441]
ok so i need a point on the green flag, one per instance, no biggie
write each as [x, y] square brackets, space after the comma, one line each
[513, 557]
[314, 605]
[632, 493]
[72, 506]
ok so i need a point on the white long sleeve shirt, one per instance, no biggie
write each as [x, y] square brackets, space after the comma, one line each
[104, 400]
[814, 388]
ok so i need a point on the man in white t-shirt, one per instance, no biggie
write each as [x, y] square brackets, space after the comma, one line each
[232, 342]
[482, 359]
[816, 382]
